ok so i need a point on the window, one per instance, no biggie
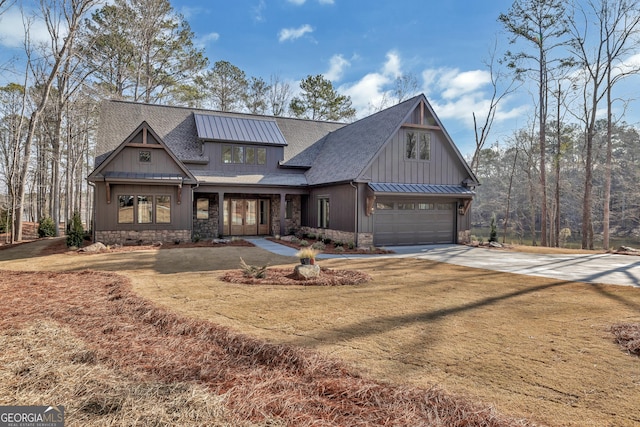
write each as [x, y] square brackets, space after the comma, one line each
[251, 155]
[163, 209]
[288, 209]
[125, 209]
[323, 212]
[444, 206]
[418, 146]
[262, 155]
[426, 206]
[202, 209]
[226, 154]
[406, 206]
[144, 156]
[240, 154]
[381, 206]
[144, 209]
[263, 213]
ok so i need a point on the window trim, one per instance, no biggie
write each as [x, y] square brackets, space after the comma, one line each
[135, 206]
[324, 211]
[421, 141]
[229, 154]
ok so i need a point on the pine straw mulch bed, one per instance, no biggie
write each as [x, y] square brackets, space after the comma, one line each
[286, 276]
[258, 380]
[628, 336]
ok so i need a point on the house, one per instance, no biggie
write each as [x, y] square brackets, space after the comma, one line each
[176, 174]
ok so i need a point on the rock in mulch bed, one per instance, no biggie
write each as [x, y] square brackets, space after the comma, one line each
[286, 276]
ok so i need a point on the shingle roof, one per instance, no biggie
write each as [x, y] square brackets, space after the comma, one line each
[343, 154]
[177, 128]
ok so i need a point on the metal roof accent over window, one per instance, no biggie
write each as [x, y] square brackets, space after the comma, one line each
[430, 189]
[111, 176]
[238, 129]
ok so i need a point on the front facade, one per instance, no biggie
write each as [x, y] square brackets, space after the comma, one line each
[179, 174]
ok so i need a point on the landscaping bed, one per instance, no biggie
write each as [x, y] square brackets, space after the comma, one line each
[286, 276]
[329, 247]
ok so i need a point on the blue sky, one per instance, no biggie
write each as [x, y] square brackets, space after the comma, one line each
[361, 46]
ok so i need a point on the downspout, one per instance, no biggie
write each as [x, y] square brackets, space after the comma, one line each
[355, 228]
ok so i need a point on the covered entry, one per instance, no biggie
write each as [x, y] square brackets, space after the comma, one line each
[246, 217]
[413, 214]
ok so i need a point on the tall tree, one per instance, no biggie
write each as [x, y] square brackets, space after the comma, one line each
[57, 13]
[600, 61]
[226, 85]
[540, 23]
[143, 50]
[320, 101]
[256, 96]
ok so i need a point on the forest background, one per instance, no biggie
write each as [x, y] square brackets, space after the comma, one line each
[565, 177]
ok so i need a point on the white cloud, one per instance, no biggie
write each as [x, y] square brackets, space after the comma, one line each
[294, 33]
[12, 29]
[336, 68]
[297, 2]
[370, 92]
[457, 95]
[258, 15]
[326, 2]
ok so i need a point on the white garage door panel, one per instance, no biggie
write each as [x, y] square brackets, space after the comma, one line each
[412, 227]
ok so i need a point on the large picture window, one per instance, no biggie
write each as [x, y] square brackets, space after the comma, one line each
[247, 155]
[202, 209]
[144, 209]
[418, 145]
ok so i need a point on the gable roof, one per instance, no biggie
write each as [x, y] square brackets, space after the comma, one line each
[346, 153]
[143, 127]
[177, 128]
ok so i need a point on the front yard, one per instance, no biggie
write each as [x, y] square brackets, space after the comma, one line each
[534, 348]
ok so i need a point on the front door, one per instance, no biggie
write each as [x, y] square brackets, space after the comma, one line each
[248, 217]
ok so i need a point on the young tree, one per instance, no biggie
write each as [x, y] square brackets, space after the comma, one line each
[540, 23]
[279, 95]
[320, 101]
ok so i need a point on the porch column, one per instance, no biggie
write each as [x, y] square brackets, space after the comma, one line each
[283, 211]
[221, 213]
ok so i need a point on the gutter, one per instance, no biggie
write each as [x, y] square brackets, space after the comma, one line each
[355, 228]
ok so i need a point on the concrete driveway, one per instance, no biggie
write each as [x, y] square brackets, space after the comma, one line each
[590, 268]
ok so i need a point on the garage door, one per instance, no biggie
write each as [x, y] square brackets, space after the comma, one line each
[413, 222]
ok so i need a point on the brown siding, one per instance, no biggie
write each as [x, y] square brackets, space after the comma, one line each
[341, 206]
[106, 215]
[392, 166]
[128, 160]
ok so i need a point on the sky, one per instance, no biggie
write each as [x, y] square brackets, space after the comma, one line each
[362, 46]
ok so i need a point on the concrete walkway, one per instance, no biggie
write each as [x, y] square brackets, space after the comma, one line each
[589, 268]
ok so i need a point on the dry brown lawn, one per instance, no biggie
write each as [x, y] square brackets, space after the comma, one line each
[532, 347]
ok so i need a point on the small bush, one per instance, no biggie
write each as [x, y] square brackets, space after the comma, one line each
[338, 244]
[319, 246]
[46, 227]
[295, 240]
[4, 220]
[339, 249]
[75, 232]
[326, 240]
[351, 245]
[493, 233]
[303, 243]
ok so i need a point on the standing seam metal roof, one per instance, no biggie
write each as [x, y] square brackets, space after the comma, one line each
[224, 128]
[431, 189]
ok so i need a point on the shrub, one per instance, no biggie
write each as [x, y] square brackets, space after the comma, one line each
[311, 236]
[307, 253]
[339, 249]
[319, 246]
[4, 220]
[326, 240]
[75, 232]
[351, 245]
[295, 240]
[303, 243]
[338, 244]
[46, 227]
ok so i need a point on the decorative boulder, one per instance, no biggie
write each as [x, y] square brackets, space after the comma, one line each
[303, 272]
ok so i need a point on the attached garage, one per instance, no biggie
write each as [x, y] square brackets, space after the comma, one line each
[403, 218]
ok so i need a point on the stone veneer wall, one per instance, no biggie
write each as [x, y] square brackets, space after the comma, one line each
[365, 240]
[131, 237]
[206, 228]
[464, 237]
[292, 224]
